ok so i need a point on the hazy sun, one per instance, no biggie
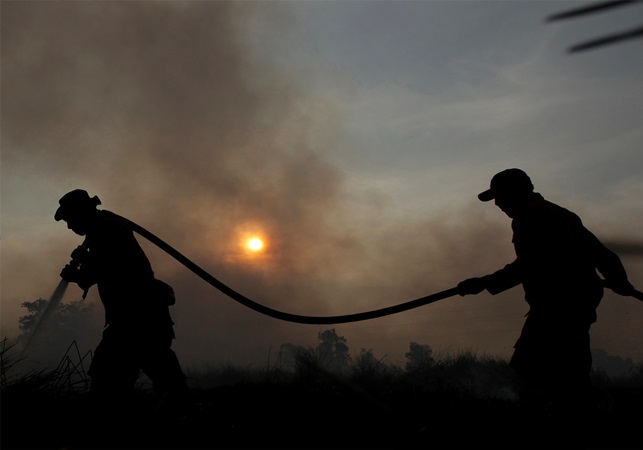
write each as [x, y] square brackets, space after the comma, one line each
[255, 244]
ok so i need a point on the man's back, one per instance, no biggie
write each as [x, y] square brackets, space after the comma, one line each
[121, 269]
[556, 255]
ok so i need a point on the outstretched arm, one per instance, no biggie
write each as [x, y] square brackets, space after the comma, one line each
[499, 281]
[627, 292]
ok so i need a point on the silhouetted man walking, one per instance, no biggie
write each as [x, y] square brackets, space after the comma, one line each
[138, 330]
[557, 260]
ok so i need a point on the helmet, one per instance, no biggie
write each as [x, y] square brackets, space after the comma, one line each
[73, 201]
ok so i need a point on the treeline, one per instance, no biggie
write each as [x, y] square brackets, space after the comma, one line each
[76, 325]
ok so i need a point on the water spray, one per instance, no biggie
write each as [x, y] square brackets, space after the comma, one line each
[53, 302]
[77, 257]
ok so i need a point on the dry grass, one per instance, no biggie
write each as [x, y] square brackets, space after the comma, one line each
[450, 402]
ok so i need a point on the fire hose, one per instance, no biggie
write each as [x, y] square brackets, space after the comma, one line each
[315, 320]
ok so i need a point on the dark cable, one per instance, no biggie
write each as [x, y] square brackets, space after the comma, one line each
[273, 312]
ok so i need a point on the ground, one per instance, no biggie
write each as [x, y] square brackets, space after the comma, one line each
[292, 416]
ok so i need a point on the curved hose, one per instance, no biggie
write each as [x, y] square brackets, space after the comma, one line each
[273, 312]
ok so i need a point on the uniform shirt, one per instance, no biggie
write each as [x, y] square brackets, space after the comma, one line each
[557, 259]
[118, 266]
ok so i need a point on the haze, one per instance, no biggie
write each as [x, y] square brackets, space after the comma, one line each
[353, 137]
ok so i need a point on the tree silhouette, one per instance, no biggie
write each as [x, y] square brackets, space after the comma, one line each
[419, 357]
[332, 351]
[29, 321]
[68, 323]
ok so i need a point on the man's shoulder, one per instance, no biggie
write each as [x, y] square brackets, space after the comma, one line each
[112, 222]
[540, 202]
[544, 207]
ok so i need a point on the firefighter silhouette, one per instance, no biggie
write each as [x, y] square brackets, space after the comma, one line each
[558, 261]
[139, 330]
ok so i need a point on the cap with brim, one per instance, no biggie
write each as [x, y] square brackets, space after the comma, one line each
[507, 182]
[486, 195]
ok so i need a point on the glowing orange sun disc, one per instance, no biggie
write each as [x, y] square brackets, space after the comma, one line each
[254, 244]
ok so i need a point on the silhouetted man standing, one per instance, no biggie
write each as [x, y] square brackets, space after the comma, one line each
[138, 330]
[557, 260]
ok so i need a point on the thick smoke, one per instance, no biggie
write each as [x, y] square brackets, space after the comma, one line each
[158, 108]
[164, 111]
[152, 106]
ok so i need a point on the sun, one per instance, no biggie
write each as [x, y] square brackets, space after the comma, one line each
[254, 244]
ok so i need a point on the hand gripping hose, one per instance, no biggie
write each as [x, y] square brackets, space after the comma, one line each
[325, 320]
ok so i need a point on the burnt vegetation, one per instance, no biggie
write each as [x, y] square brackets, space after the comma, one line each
[316, 397]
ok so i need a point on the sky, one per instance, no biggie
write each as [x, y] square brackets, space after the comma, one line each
[352, 136]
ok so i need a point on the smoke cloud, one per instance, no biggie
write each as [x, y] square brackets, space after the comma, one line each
[164, 111]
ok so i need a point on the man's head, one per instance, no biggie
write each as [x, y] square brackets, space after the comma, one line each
[77, 208]
[510, 189]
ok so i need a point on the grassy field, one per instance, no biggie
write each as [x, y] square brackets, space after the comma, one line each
[458, 401]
